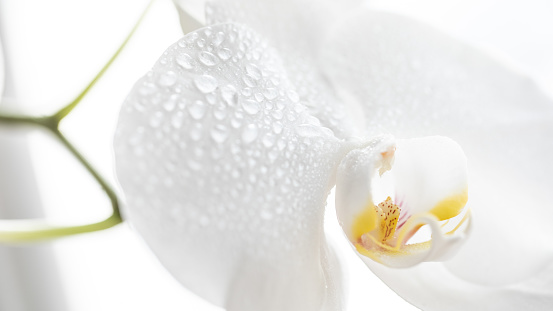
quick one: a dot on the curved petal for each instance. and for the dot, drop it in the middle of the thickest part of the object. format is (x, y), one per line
(297, 28)
(430, 176)
(413, 81)
(354, 183)
(432, 286)
(226, 177)
(428, 173)
(511, 28)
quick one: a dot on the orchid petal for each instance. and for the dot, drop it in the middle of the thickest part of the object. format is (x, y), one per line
(226, 177)
(430, 174)
(427, 173)
(309, 21)
(511, 29)
(413, 81)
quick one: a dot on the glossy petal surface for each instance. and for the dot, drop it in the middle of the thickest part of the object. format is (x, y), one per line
(297, 29)
(414, 81)
(226, 175)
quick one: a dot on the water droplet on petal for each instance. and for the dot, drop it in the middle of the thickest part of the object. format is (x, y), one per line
(207, 58)
(249, 134)
(270, 93)
(197, 109)
(259, 97)
(155, 120)
(229, 94)
(219, 38)
(224, 54)
(170, 104)
(268, 140)
(277, 127)
(250, 106)
(147, 88)
(249, 80)
(253, 71)
(220, 113)
(219, 133)
(185, 61)
(205, 83)
(201, 43)
(167, 79)
(176, 120)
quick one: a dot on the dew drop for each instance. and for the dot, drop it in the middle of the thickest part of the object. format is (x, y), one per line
(224, 54)
(196, 132)
(246, 92)
(249, 134)
(201, 43)
(219, 133)
(250, 106)
(219, 38)
(170, 104)
(236, 123)
(194, 165)
(176, 120)
(155, 120)
(277, 127)
(192, 37)
(197, 109)
(220, 113)
(249, 80)
(253, 71)
(205, 83)
(185, 61)
(278, 114)
(207, 58)
(268, 140)
(270, 93)
(229, 94)
(259, 97)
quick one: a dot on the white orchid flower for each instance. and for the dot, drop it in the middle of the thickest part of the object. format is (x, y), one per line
(228, 148)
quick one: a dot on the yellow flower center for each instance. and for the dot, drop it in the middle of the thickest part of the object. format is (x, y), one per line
(388, 215)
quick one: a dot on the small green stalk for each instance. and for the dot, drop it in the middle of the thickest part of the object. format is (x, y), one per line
(31, 230)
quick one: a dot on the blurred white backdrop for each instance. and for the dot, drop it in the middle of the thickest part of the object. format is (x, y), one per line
(58, 46)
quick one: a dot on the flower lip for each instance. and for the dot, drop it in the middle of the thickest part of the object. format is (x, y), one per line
(429, 179)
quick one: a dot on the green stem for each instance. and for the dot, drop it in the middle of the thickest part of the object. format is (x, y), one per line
(63, 112)
(30, 230)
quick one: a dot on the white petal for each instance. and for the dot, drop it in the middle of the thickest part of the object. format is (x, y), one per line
(516, 30)
(227, 186)
(354, 183)
(297, 28)
(432, 287)
(427, 171)
(414, 81)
